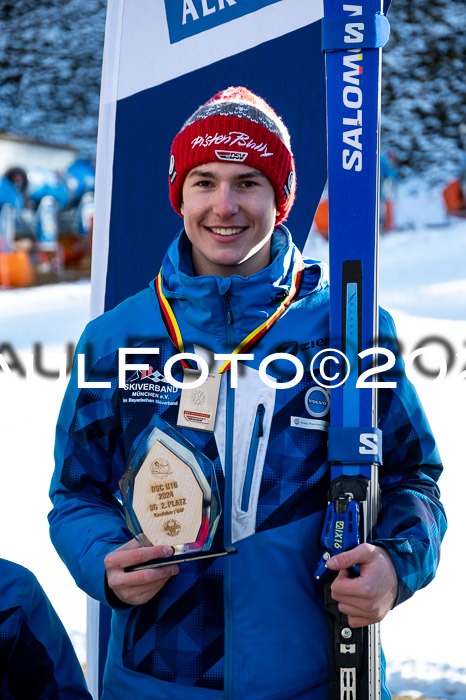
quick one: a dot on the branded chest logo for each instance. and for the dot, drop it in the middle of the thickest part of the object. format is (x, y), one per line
(189, 17)
(149, 386)
(317, 402)
(352, 94)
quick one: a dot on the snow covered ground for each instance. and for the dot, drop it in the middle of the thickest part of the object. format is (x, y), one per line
(422, 282)
(51, 316)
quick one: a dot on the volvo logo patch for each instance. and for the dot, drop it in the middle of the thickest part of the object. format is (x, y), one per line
(317, 402)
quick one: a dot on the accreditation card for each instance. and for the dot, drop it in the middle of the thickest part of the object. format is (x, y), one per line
(198, 405)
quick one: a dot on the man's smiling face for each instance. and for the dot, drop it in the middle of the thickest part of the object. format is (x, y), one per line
(229, 216)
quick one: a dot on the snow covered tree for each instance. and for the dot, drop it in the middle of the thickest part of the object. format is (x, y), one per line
(50, 60)
(51, 57)
(424, 89)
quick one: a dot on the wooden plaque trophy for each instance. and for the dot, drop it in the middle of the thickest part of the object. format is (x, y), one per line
(170, 496)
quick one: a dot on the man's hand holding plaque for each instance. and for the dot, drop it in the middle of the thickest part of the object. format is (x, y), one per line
(139, 586)
(171, 498)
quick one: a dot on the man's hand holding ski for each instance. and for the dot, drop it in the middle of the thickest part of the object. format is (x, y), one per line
(367, 598)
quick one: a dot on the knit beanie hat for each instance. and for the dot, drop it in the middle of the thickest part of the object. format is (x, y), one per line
(235, 126)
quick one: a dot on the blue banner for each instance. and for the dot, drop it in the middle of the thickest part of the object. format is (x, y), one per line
(150, 86)
(161, 61)
(188, 17)
(142, 220)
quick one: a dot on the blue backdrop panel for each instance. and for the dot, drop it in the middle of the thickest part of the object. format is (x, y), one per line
(288, 72)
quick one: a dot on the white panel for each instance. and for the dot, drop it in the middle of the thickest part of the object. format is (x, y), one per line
(92, 647)
(250, 393)
(27, 154)
(148, 58)
(104, 159)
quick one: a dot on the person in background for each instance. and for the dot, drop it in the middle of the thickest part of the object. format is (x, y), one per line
(37, 659)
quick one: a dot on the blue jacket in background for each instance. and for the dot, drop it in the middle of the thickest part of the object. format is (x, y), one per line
(37, 659)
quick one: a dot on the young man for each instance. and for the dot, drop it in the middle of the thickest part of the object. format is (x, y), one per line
(251, 625)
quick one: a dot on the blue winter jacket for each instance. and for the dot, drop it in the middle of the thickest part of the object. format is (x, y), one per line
(251, 626)
(37, 660)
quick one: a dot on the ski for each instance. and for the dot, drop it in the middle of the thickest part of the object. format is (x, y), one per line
(352, 37)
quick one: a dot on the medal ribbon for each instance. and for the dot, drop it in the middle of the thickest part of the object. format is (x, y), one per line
(253, 338)
(169, 320)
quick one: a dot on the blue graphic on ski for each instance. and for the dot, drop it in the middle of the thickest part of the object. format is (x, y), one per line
(352, 37)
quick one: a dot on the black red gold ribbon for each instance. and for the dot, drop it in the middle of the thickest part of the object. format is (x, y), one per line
(251, 340)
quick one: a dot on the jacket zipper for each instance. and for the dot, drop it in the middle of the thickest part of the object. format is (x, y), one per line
(230, 407)
(230, 319)
(257, 433)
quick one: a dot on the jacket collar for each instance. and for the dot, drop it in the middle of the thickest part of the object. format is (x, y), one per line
(252, 298)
